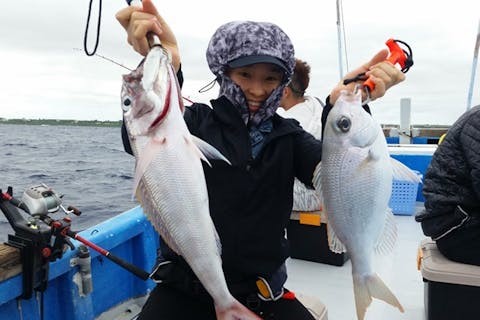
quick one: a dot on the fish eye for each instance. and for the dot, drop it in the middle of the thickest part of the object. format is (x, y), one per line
(344, 124)
(126, 103)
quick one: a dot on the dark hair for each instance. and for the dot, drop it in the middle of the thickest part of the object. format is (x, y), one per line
(300, 78)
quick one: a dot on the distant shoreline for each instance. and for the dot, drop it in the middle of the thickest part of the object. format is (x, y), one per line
(420, 129)
(59, 122)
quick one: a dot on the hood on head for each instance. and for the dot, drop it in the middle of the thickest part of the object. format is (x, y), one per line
(242, 43)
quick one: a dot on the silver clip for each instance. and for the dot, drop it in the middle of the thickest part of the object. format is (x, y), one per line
(367, 93)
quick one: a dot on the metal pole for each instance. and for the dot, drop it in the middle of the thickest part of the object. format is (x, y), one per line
(405, 132)
(474, 67)
(339, 39)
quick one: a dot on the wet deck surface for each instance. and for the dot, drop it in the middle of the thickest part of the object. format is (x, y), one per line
(333, 285)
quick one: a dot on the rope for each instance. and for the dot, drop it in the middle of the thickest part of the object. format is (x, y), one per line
(98, 28)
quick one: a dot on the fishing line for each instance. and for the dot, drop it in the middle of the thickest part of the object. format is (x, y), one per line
(108, 59)
(113, 61)
(85, 38)
(208, 86)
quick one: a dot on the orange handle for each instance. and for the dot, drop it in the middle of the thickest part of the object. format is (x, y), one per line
(396, 56)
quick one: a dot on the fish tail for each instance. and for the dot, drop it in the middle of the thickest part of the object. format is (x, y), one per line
(235, 311)
(372, 286)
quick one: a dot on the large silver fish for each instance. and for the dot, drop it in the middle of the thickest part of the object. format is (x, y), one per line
(355, 179)
(169, 180)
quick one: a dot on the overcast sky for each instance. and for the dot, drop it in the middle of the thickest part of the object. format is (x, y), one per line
(45, 77)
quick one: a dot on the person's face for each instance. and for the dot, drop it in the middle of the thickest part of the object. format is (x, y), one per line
(257, 82)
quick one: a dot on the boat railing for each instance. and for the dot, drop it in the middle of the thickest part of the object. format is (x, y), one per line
(128, 235)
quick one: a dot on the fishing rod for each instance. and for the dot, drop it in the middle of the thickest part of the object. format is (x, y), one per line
(474, 67)
(142, 274)
(41, 238)
(341, 39)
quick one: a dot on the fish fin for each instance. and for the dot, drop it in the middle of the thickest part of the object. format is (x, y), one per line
(137, 195)
(168, 240)
(334, 243)
(374, 154)
(235, 311)
(403, 173)
(371, 286)
(145, 157)
(208, 150)
(316, 181)
(376, 151)
(387, 239)
(317, 184)
(196, 150)
(217, 240)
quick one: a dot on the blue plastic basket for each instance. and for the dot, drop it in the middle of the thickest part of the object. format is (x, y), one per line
(404, 196)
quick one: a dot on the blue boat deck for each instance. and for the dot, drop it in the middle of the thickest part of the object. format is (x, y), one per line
(129, 236)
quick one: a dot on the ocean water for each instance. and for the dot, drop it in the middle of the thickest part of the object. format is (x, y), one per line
(87, 165)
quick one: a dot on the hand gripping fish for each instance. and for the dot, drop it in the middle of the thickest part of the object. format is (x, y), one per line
(355, 180)
(169, 180)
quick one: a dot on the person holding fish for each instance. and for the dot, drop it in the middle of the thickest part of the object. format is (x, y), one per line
(250, 196)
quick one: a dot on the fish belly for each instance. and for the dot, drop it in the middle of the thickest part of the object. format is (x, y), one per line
(174, 197)
(356, 193)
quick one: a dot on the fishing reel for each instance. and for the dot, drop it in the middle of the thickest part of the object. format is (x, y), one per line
(41, 243)
(39, 238)
(42, 200)
(39, 229)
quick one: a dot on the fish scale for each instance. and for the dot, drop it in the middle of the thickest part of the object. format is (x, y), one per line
(164, 200)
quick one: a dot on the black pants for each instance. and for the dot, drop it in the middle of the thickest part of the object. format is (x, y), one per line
(463, 244)
(168, 303)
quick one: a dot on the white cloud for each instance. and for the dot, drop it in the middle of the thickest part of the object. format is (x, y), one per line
(44, 77)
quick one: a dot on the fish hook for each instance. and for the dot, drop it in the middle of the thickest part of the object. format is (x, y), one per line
(367, 93)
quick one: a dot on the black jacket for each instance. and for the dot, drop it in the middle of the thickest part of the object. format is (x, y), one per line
(452, 180)
(251, 200)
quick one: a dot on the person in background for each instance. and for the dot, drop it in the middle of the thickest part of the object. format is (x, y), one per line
(307, 110)
(250, 200)
(452, 192)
